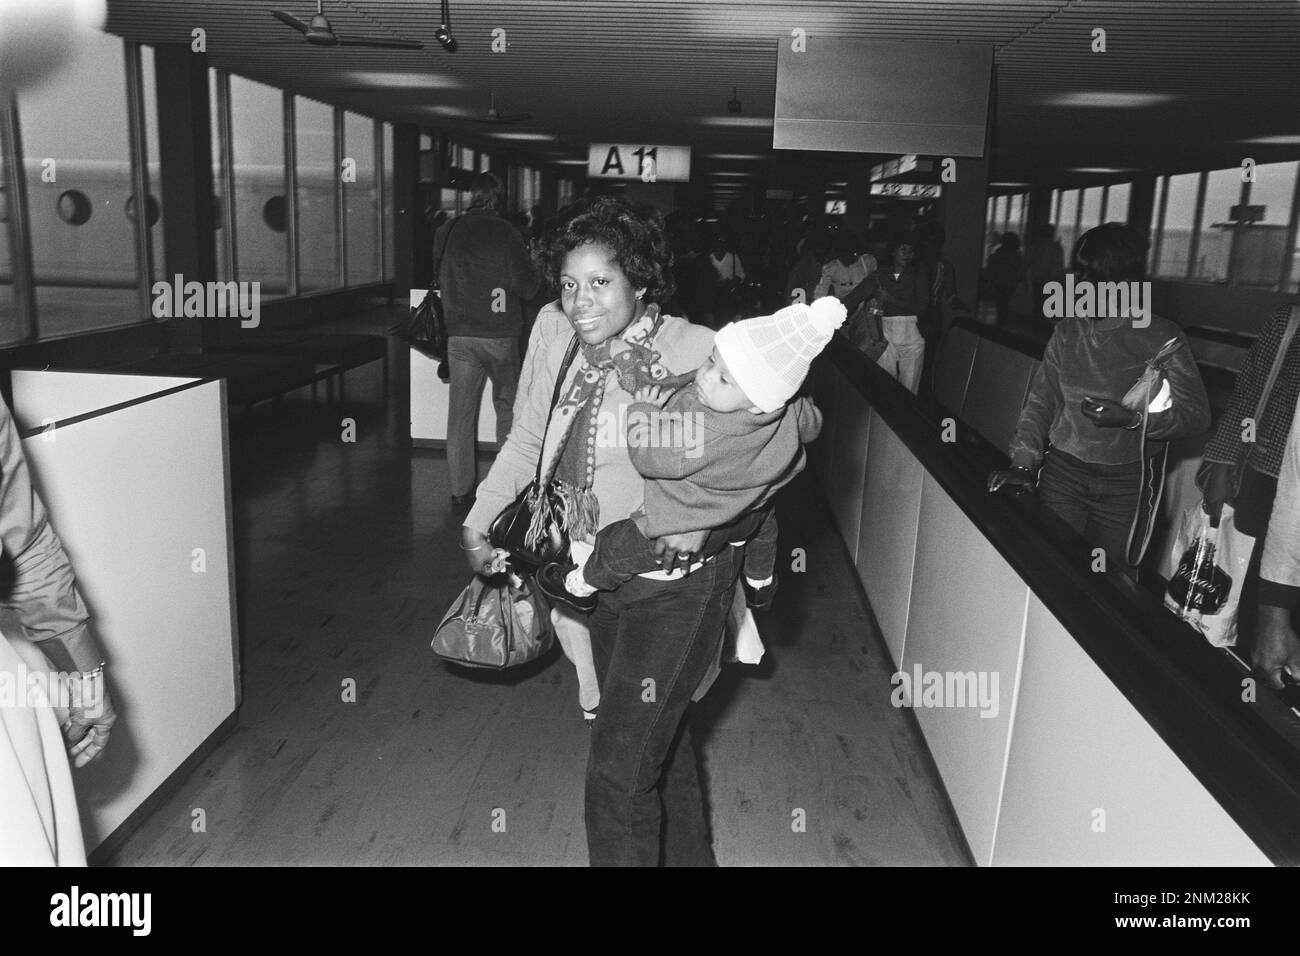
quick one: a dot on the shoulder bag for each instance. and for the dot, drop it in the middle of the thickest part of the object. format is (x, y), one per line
(509, 530)
(426, 331)
(495, 623)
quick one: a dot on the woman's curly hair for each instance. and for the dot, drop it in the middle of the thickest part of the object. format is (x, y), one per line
(634, 234)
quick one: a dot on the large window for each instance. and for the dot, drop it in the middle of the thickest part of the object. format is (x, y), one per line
(1117, 195)
(1176, 232)
(225, 271)
(8, 317)
(257, 145)
(1222, 193)
(1260, 253)
(1067, 222)
(77, 167)
(1016, 209)
(361, 199)
(155, 169)
(390, 218)
(318, 250)
(1089, 209)
(89, 142)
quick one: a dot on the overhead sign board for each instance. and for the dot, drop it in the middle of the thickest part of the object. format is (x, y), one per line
(882, 96)
(901, 166)
(649, 164)
(907, 190)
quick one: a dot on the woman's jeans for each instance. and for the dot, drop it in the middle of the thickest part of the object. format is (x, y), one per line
(1097, 501)
(653, 642)
(905, 352)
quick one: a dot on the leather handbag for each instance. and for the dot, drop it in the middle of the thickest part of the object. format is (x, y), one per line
(495, 623)
(426, 331)
(1146, 396)
(509, 530)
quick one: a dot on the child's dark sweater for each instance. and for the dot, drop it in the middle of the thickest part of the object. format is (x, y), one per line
(704, 469)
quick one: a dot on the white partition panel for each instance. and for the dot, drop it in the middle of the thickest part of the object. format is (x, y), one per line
(966, 618)
(1089, 782)
(429, 398)
(848, 465)
(886, 551)
(41, 395)
(140, 497)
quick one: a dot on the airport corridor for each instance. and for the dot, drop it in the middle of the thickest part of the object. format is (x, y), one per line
(346, 559)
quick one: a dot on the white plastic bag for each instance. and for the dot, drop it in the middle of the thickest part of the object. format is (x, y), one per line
(740, 643)
(1209, 569)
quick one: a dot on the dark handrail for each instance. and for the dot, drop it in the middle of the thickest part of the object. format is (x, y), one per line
(1247, 755)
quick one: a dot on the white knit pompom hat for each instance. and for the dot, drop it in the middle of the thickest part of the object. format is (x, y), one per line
(768, 356)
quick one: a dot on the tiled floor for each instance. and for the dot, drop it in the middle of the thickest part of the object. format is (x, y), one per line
(347, 557)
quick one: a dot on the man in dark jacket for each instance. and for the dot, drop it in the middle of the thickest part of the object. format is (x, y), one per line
(485, 275)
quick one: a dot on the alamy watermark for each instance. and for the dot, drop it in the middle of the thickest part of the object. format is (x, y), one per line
(1084, 299)
(922, 688)
(208, 300)
(658, 428)
(39, 688)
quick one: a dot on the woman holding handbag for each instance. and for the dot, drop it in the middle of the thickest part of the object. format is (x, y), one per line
(1101, 459)
(654, 639)
(1242, 472)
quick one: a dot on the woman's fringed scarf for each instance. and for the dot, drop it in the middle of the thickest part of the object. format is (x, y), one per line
(564, 498)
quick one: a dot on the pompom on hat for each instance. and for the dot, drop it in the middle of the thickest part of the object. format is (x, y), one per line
(768, 356)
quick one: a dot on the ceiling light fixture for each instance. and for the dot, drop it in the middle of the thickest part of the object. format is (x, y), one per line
(443, 33)
(524, 137)
(396, 80)
(1109, 99)
(1285, 139)
(735, 121)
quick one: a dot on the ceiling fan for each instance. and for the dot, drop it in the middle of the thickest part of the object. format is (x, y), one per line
(494, 117)
(320, 33)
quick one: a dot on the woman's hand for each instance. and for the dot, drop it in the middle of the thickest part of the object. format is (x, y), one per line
(1015, 480)
(684, 547)
(1108, 413)
(652, 394)
(1216, 489)
(482, 557)
(90, 718)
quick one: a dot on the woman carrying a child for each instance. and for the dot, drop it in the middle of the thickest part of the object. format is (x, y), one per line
(653, 638)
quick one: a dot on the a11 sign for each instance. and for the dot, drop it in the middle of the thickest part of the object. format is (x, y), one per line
(632, 161)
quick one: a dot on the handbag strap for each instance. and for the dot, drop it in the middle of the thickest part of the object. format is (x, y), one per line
(1288, 334)
(1283, 347)
(555, 398)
